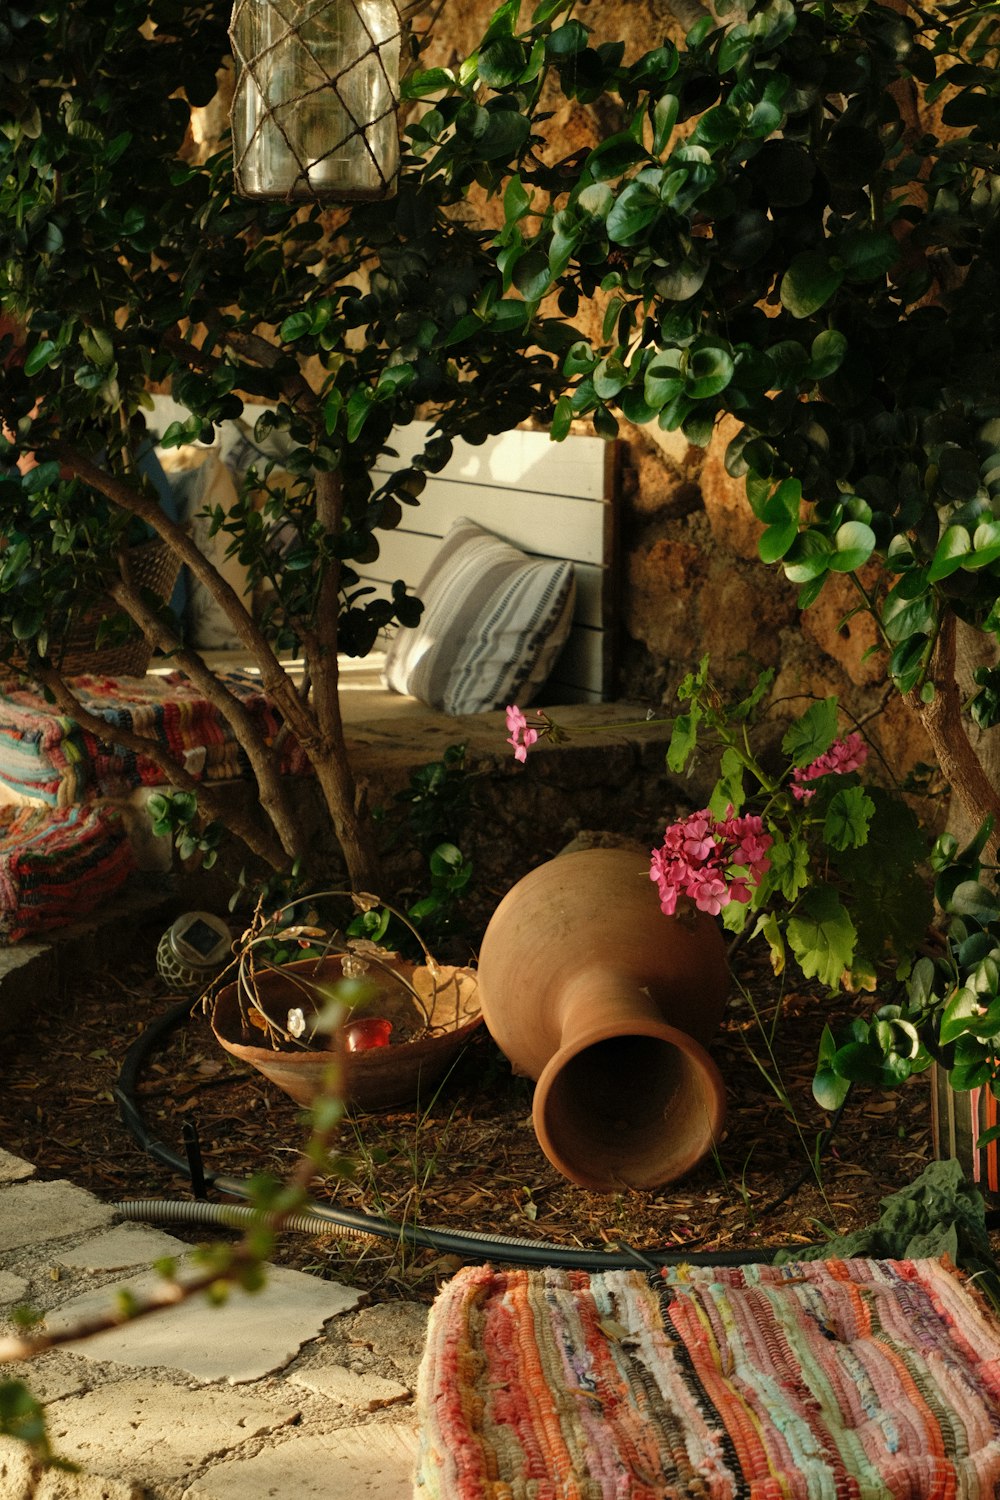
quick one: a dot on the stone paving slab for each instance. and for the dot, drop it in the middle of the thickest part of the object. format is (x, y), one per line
(14, 1168)
(32, 1212)
(152, 1431)
(374, 1462)
(18, 1481)
(124, 1404)
(246, 1338)
(358, 1389)
(12, 1288)
(123, 1247)
(395, 1329)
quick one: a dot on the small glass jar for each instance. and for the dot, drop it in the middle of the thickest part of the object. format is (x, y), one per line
(314, 112)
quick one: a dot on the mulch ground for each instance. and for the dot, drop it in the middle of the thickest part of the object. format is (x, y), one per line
(470, 1159)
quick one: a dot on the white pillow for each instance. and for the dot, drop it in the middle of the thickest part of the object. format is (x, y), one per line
(494, 622)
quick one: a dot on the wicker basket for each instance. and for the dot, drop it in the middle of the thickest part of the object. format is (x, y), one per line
(154, 567)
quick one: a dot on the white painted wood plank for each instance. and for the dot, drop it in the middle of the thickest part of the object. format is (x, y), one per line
(517, 460)
(549, 525)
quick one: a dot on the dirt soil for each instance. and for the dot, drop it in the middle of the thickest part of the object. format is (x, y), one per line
(470, 1159)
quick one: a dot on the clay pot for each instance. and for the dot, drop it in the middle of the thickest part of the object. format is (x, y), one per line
(401, 1073)
(588, 988)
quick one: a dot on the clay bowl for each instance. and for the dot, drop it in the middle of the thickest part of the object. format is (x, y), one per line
(406, 1071)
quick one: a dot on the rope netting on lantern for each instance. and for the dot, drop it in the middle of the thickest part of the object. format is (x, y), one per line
(317, 88)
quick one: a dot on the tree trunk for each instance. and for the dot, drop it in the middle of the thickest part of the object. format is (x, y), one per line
(348, 810)
(974, 793)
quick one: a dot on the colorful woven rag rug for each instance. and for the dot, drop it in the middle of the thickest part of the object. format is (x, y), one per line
(45, 755)
(821, 1380)
(58, 864)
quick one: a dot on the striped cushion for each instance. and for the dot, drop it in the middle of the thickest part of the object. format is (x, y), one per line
(494, 622)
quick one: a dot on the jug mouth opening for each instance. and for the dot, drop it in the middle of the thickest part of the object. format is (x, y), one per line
(629, 1111)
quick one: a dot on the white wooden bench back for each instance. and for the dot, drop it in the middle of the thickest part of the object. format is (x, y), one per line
(551, 500)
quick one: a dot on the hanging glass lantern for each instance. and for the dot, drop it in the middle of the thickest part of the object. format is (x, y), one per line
(314, 112)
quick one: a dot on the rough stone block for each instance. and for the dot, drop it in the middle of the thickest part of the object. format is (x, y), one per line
(734, 525)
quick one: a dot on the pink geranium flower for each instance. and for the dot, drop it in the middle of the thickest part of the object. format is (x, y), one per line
(710, 862)
(520, 733)
(843, 756)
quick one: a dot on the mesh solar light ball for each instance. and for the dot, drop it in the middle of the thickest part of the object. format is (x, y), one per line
(193, 950)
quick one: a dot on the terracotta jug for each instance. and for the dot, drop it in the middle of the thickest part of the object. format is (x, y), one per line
(588, 988)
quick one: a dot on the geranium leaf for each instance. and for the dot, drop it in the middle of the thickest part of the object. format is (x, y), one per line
(847, 818)
(812, 734)
(822, 937)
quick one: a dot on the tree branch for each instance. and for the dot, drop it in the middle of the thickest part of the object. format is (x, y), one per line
(263, 762)
(258, 839)
(127, 497)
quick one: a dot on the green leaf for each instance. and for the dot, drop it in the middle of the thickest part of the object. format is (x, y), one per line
(609, 377)
(809, 283)
(428, 81)
(962, 1009)
(808, 558)
(505, 134)
(562, 419)
(770, 929)
(783, 504)
(633, 212)
(776, 540)
(665, 114)
(826, 354)
(970, 899)
(663, 379)
(902, 617)
(567, 40)
(789, 871)
(614, 156)
(728, 790)
(502, 61)
(710, 369)
(812, 734)
(295, 326)
(950, 553)
(40, 477)
(829, 1089)
(847, 818)
(866, 254)
(854, 543)
(40, 356)
(683, 738)
(986, 545)
(822, 937)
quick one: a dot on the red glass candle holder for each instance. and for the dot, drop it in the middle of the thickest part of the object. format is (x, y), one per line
(367, 1032)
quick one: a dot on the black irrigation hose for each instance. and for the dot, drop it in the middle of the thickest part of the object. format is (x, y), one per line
(511, 1250)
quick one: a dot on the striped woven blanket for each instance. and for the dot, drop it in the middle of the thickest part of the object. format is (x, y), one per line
(45, 755)
(821, 1380)
(56, 865)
